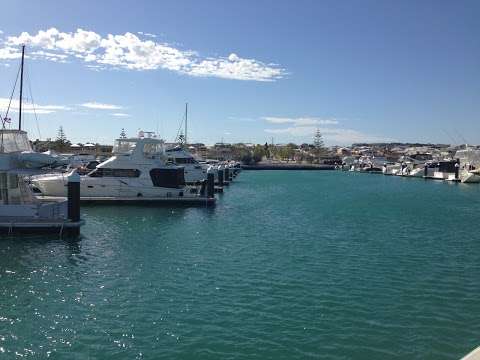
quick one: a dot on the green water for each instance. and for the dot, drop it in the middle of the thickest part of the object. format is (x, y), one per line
(289, 265)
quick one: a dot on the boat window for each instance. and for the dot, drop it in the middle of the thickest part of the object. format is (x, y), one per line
(185, 161)
(169, 178)
(446, 166)
(150, 149)
(105, 172)
(124, 147)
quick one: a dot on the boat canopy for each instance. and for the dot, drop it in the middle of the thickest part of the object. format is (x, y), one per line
(14, 141)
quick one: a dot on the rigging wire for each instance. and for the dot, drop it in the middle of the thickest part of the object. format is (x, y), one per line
(180, 128)
(33, 103)
(11, 98)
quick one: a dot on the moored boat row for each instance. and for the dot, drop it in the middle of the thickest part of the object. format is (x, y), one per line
(42, 192)
(459, 169)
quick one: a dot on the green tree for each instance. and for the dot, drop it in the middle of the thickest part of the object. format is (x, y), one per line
(61, 142)
(318, 144)
(258, 153)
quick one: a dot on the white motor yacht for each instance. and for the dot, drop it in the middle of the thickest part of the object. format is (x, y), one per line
(137, 170)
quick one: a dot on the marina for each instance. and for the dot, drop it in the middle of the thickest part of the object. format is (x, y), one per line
(255, 270)
(281, 180)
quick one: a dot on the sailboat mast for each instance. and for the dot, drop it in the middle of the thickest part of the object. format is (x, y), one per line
(21, 90)
(186, 122)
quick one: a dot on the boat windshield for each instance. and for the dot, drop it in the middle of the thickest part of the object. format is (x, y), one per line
(154, 148)
(124, 147)
(14, 141)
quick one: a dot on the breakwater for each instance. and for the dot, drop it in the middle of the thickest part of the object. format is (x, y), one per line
(287, 167)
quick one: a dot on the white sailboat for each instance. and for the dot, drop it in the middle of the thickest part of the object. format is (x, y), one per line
(20, 210)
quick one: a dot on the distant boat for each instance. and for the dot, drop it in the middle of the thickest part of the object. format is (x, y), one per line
(472, 176)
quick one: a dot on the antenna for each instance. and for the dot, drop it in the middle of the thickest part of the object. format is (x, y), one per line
(21, 90)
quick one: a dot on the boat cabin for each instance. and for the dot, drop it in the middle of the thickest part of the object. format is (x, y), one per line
(150, 148)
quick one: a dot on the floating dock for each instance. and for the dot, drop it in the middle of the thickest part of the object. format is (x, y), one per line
(16, 225)
(105, 200)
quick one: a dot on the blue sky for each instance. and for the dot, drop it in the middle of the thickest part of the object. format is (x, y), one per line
(250, 70)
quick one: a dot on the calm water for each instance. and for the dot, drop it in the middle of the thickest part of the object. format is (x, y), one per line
(289, 265)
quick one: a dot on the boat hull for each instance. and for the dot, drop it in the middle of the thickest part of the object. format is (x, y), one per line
(91, 187)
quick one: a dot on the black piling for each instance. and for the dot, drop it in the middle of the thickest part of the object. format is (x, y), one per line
(203, 188)
(457, 168)
(73, 195)
(425, 170)
(210, 185)
(227, 174)
(220, 177)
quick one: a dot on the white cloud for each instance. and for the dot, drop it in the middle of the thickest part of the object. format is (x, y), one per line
(128, 51)
(330, 135)
(146, 34)
(305, 128)
(30, 108)
(300, 121)
(100, 106)
(9, 53)
(120, 115)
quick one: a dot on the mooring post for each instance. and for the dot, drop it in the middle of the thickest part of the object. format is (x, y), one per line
(210, 184)
(227, 174)
(73, 196)
(220, 176)
(457, 168)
